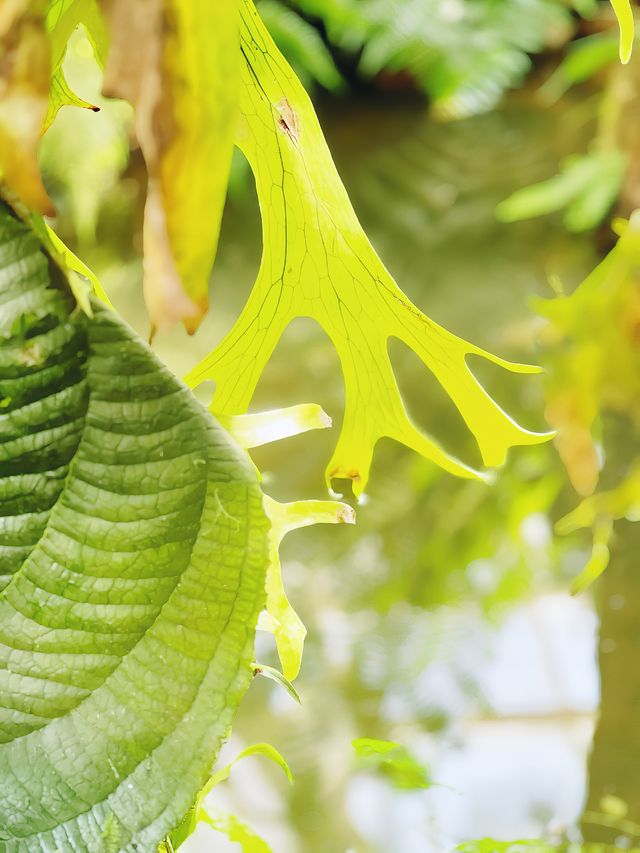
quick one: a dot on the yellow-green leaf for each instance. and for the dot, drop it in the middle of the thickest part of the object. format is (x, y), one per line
(177, 64)
(264, 427)
(220, 821)
(279, 617)
(318, 263)
(62, 96)
(63, 17)
(624, 14)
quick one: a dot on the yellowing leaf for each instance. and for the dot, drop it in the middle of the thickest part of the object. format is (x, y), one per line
(63, 16)
(25, 67)
(61, 96)
(176, 63)
(624, 14)
(279, 617)
(593, 356)
(318, 263)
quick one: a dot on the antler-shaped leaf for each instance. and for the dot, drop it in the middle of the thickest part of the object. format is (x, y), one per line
(318, 263)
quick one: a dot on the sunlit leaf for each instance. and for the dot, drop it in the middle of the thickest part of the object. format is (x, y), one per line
(177, 64)
(394, 761)
(318, 263)
(133, 549)
(279, 617)
(63, 17)
(228, 824)
(624, 14)
(621, 502)
(599, 511)
(274, 674)
(62, 96)
(25, 71)
(236, 830)
(264, 427)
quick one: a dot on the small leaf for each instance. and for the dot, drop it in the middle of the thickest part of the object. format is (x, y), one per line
(318, 263)
(199, 812)
(236, 830)
(624, 14)
(63, 17)
(278, 677)
(599, 559)
(264, 427)
(279, 617)
(177, 64)
(392, 760)
(61, 96)
(73, 265)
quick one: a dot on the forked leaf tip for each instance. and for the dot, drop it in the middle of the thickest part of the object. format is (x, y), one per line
(254, 430)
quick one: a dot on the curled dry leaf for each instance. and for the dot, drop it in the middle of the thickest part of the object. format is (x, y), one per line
(25, 67)
(176, 64)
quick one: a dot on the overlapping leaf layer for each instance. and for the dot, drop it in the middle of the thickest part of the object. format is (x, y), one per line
(133, 548)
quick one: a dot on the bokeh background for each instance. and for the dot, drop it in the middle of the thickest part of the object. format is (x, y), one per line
(444, 620)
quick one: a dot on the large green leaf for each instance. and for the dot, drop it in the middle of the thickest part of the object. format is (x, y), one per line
(133, 547)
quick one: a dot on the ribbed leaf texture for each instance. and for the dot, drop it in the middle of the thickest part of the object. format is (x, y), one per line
(132, 570)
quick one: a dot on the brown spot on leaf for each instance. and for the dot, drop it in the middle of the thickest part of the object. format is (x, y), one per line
(288, 120)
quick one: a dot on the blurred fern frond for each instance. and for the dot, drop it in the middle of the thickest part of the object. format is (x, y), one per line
(462, 53)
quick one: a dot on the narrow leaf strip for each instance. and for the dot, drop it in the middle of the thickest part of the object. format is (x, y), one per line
(599, 511)
(279, 617)
(264, 427)
(274, 674)
(599, 559)
(624, 14)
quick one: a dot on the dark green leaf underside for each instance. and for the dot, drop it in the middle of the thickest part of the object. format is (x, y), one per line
(132, 561)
